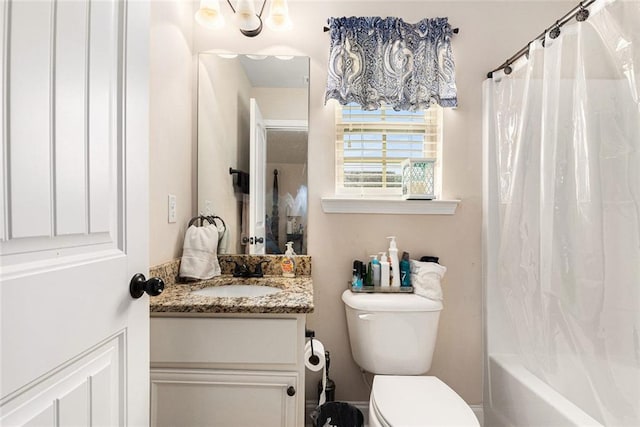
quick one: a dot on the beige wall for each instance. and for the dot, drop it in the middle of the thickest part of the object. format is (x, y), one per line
(172, 126)
(489, 32)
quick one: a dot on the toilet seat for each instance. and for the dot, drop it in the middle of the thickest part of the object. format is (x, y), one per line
(404, 401)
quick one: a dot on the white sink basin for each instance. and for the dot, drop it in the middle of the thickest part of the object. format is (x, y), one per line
(237, 291)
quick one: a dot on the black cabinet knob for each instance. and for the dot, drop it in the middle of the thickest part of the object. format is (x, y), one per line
(291, 391)
(139, 285)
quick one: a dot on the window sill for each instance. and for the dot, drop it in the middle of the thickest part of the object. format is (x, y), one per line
(352, 205)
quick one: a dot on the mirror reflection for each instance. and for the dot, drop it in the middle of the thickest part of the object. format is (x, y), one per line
(252, 149)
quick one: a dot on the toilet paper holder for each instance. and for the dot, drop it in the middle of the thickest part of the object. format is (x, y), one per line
(314, 360)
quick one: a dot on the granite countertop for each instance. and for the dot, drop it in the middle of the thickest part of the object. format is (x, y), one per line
(296, 297)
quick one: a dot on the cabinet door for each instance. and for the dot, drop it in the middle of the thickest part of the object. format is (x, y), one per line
(191, 397)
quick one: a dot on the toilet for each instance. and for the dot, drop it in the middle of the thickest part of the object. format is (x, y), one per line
(393, 337)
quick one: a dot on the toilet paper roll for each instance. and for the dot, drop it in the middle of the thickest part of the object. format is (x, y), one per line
(318, 350)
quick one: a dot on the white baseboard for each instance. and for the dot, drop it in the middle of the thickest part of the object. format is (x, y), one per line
(310, 405)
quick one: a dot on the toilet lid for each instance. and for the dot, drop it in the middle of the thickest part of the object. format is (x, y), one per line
(419, 401)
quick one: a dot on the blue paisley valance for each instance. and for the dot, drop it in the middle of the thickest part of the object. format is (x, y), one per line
(406, 66)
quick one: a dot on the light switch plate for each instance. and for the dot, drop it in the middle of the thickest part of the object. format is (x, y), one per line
(172, 209)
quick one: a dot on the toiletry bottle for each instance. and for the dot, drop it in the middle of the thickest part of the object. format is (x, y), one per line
(384, 270)
(354, 276)
(375, 274)
(361, 273)
(368, 279)
(288, 263)
(395, 264)
(405, 270)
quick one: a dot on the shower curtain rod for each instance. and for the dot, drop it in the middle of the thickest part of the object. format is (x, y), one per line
(506, 65)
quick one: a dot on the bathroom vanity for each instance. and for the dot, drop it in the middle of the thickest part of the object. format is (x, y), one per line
(229, 361)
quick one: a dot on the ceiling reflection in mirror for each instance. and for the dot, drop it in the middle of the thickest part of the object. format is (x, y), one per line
(280, 87)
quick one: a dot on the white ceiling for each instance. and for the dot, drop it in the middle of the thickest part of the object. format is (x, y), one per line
(271, 71)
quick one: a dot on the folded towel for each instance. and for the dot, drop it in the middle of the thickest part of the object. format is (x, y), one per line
(425, 279)
(199, 253)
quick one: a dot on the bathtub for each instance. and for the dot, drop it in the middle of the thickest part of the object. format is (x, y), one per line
(516, 397)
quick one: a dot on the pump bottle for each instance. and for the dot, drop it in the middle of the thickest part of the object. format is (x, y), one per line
(384, 270)
(288, 263)
(395, 262)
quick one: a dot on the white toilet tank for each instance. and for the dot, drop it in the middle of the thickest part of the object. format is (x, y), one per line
(392, 334)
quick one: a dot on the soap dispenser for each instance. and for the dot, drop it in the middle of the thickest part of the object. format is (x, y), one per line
(288, 263)
(384, 270)
(395, 262)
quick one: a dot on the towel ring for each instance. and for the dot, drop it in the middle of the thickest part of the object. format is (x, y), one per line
(212, 218)
(200, 218)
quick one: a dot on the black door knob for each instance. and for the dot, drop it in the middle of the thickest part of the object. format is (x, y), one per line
(291, 391)
(139, 285)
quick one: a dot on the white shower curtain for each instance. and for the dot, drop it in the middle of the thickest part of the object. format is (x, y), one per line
(566, 129)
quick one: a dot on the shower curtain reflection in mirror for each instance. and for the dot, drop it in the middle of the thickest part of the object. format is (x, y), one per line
(286, 202)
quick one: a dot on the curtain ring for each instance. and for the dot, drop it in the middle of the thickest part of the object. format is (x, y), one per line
(507, 69)
(555, 31)
(582, 14)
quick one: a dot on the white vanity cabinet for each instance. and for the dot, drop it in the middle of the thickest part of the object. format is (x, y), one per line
(227, 370)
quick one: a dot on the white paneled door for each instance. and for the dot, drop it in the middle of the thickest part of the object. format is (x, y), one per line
(73, 220)
(257, 179)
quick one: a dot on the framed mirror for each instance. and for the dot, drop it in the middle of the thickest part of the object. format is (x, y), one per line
(252, 149)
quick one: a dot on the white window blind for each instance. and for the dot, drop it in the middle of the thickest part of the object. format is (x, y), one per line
(371, 144)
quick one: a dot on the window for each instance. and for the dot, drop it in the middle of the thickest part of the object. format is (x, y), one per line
(370, 145)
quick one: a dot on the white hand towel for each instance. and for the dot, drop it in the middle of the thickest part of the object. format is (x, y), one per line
(199, 253)
(425, 279)
(223, 237)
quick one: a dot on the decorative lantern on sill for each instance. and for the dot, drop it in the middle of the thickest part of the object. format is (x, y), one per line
(418, 176)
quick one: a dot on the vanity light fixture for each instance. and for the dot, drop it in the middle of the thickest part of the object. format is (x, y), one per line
(209, 16)
(247, 20)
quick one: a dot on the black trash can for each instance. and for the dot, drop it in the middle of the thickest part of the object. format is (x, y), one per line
(338, 414)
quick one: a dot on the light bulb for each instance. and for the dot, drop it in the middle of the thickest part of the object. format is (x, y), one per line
(278, 19)
(246, 18)
(209, 15)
